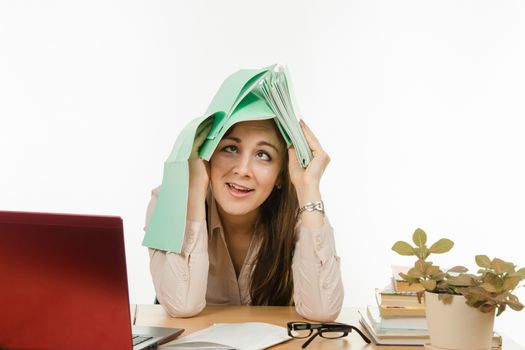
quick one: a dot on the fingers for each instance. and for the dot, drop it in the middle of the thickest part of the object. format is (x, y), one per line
(201, 137)
(293, 161)
(313, 142)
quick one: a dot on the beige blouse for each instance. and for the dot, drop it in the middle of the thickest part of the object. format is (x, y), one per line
(204, 273)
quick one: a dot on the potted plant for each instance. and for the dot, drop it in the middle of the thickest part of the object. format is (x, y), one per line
(460, 306)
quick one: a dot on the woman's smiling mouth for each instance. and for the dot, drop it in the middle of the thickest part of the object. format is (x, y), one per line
(237, 190)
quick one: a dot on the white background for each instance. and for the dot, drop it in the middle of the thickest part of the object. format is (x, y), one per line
(419, 104)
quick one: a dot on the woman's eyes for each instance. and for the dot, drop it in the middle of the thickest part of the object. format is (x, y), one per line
(230, 149)
(263, 155)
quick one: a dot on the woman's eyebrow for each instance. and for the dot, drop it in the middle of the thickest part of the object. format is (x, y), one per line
(260, 143)
(264, 143)
(236, 139)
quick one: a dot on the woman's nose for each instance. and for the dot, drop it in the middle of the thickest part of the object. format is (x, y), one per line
(243, 166)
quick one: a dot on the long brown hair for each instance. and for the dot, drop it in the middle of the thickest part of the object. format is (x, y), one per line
(272, 280)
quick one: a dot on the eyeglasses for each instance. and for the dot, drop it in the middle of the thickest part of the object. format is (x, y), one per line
(331, 330)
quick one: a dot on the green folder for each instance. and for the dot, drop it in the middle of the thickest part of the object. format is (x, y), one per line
(249, 94)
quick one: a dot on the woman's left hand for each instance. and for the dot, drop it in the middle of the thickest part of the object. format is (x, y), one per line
(307, 180)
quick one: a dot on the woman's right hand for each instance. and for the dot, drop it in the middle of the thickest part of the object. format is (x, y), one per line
(199, 169)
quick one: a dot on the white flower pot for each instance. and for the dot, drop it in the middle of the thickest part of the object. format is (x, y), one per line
(457, 326)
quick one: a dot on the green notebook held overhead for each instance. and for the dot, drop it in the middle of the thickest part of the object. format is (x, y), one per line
(249, 94)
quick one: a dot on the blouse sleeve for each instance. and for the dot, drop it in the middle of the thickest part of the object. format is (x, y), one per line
(318, 288)
(180, 280)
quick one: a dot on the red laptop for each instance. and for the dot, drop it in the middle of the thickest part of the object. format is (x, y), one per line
(63, 285)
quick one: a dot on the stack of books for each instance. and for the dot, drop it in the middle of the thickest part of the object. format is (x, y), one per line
(392, 303)
(400, 298)
(399, 318)
(395, 330)
(401, 330)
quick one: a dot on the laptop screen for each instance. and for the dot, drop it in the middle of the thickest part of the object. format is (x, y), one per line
(63, 282)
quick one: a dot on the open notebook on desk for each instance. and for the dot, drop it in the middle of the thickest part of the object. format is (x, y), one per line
(64, 285)
(245, 336)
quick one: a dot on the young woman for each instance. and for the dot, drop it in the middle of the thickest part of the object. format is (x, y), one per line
(256, 233)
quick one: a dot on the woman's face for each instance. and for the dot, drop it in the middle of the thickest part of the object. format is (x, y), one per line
(245, 166)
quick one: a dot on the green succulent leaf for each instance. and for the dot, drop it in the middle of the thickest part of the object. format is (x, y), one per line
(483, 261)
(501, 297)
(432, 270)
(477, 293)
(415, 273)
(422, 252)
(521, 272)
(421, 266)
(458, 269)
(501, 308)
(441, 284)
(438, 276)
(429, 285)
(409, 278)
(498, 265)
(419, 238)
(441, 246)
(490, 275)
(460, 281)
(488, 287)
(509, 267)
(511, 283)
(502, 266)
(515, 305)
(472, 300)
(403, 248)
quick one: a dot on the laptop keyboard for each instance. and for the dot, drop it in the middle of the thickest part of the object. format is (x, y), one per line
(137, 339)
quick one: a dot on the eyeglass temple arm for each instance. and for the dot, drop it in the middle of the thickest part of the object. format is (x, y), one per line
(365, 338)
(309, 340)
